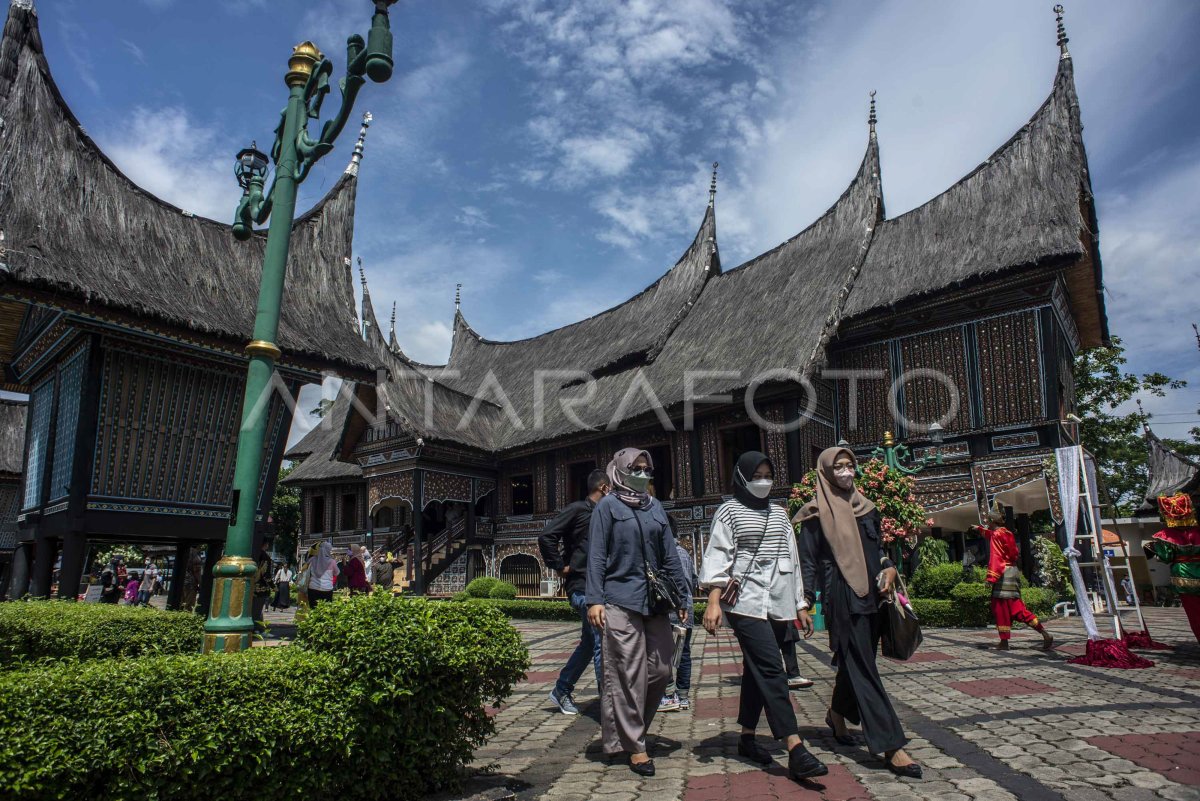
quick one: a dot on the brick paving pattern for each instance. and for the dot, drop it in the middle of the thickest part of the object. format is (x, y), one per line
(1047, 730)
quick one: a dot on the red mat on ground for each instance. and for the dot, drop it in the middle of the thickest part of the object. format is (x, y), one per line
(1175, 755)
(775, 784)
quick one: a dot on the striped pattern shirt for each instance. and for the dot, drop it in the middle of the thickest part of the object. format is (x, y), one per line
(771, 586)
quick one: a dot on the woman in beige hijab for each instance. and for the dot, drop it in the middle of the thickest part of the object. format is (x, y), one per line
(840, 551)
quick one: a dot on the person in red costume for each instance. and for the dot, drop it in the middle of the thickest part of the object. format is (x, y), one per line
(1179, 546)
(1005, 578)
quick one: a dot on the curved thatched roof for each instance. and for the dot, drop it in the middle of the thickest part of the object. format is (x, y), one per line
(80, 232)
(637, 328)
(12, 436)
(1024, 205)
(1029, 204)
(1170, 471)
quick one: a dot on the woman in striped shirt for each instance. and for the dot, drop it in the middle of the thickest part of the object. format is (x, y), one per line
(752, 543)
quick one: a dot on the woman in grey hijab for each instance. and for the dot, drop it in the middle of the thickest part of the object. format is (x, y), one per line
(630, 535)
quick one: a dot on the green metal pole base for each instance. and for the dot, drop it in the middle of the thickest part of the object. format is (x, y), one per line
(230, 624)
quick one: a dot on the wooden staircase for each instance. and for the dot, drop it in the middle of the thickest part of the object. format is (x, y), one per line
(436, 555)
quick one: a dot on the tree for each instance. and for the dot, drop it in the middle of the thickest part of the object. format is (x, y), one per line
(322, 408)
(285, 514)
(1101, 386)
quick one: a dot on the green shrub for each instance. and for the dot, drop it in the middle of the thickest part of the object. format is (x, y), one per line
(460, 596)
(935, 612)
(481, 587)
(936, 581)
(933, 551)
(529, 609)
(503, 591)
(1040, 600)
(972, 603)
(380, 697)
(35, 630)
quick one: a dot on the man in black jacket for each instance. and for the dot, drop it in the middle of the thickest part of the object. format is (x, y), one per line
(564, 547)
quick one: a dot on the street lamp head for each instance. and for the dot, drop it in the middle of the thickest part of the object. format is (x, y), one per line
(936, 432)
(251, 164)
(379, 44)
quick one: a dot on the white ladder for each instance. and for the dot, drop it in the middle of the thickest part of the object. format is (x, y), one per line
(1102, 562)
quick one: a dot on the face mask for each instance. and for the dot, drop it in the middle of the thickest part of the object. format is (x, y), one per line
(844, 478)
(638, 481)
(760, 488)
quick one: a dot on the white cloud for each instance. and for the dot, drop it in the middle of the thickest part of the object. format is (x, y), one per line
(138, 54)
(169, 154)
(473, 217)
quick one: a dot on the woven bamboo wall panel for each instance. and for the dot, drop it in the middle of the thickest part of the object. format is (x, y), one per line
(1010, 369)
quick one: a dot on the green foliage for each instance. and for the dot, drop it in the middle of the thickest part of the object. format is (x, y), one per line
(285, 515)
(936, 613)
(1040, 600)
(527, 610)
(380, 697)
(972, 603)
(481, 587)
(936, 581)
(133, 555)
(503, 591)
(933, 551)
(66, 630)
(1053, 570)
(893, 493)
(1101, 387)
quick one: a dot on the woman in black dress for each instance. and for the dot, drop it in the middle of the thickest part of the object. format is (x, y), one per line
(840, 551)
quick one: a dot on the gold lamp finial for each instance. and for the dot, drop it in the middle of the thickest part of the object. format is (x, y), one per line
(305, 56)
(888, 439)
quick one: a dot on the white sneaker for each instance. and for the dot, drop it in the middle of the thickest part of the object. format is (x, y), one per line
(798, 682)
(669, 703)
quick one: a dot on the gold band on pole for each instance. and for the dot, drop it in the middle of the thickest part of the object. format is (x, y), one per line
(260, 347)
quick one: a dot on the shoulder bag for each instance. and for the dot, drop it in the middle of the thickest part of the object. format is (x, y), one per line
(900, 631)
(734, 588)
(662, 596)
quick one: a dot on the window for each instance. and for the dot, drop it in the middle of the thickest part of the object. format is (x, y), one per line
(522, 494)
(318, 514)
(39, 438)
(66, 421)
(577, 481)
(664, 487)
(383, 518)
(349, 511)
(735, 442)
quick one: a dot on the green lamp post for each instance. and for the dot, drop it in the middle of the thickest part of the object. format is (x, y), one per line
(229, 626)
(895, 454)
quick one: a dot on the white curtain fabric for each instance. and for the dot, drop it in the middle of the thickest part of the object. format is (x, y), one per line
(1068, 493)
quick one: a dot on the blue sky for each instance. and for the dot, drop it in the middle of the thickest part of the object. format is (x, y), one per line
(555, 157)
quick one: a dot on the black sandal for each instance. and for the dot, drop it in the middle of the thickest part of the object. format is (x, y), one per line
(840, 739)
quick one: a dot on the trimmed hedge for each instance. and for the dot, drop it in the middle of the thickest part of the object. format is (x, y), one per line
(503, 591)
(970, 606)
(68, 630)
(379, 697)
(936, 581)
(481, 587)
(542, 610)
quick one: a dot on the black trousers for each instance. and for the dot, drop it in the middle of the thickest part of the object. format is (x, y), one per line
(764, 684)
(319, 596)
(858, 693)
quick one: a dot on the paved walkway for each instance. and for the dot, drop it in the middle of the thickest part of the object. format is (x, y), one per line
(986, 725)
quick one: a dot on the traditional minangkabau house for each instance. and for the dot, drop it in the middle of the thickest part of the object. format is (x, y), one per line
(124, 319)
(995, 284)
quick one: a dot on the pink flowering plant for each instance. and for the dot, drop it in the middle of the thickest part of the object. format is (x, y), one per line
(902, 517)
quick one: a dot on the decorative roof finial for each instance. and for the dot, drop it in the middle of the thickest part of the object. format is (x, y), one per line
(871, 118)
(356, 156)
(362, 273)
(457, 296)
(1062, 32)
(712, 187)
(1142, 414)
(392, 329)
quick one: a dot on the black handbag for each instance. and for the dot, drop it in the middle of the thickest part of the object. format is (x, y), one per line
(662, 595)
(900, 631)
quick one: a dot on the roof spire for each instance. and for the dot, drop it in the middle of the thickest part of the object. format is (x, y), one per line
(712, 187)
(356, 156)
(1062, 32)
(871, 118)
(362, 273)
(1145, 417)
(392, 328)
(457, 296)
